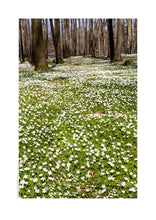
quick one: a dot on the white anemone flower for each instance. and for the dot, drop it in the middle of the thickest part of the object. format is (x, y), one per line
(123, 184)
(35, 180)
(132, 190)
(111, 178)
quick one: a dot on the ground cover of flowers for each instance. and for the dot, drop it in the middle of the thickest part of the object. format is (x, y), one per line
(78, 130)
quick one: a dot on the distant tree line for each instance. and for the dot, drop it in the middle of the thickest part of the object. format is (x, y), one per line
(62, 38)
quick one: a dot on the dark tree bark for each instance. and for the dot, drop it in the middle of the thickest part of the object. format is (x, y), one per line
(68, 38)
(104, 36)
(23, 38)
(75, 37)
(117, 54)
(46, 40)
(21, 54)
(62, 36)
(56, 39)
(29, 39)
(66, 41)
(79, 37)
(71, 37)
(26, 37)
(124, 36)
(86, 21)
(38, 50)
(95, 38)
(129, 36)
(114, 32)
(135, 36)
(84, 37)
(92, 39)
(99, 38)
(90, 34)
(111, 40)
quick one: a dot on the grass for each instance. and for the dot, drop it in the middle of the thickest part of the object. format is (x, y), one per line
(78, 130)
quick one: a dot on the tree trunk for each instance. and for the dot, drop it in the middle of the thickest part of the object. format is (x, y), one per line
(62, 36)
(29, 40)
(46, 40)
(135, 36)
(21, 54)
(124, 36)
(85, 37)
(117, 54)
(66, 45)
(111, 40)
(23, 38)
(26, 38)
(92, 38)
(99, 38)
(71, 37)
(129, 36)
(68, 38)
(38, 50)
(90, 35)
(104, 36)
(75, 37)
(114, 32)
(86, 21)
(56, 39)
(79, 37)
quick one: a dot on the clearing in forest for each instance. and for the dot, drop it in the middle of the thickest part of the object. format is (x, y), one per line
(78, 130)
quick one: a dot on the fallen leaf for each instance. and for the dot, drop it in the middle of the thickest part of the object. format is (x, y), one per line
(79, 190)
(92, 173)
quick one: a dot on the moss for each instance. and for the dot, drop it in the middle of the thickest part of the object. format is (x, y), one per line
(42, 68)
(128, 62)
(60, 61)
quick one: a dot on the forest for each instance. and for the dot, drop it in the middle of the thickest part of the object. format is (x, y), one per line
(62, 38)
(78, 108)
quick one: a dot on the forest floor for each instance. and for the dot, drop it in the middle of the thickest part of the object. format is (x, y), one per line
(78, 130)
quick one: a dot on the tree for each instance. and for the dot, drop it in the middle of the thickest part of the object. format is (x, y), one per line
(56, 39)
(135, 36)
(21, 54)
(79, 37)
(84, 37)
(86, 21)
(99, 38)
(125, 49)
(38, 50)
(111, 40)
(23, 38)
(129, 36)
(104, 36)
(90, 35)
(46, 40)
(93, 37)
(66, 39)
(26, 38)
(114, 31)
(117, 53)
(29, 38)
(45, 35)
(75, 37)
